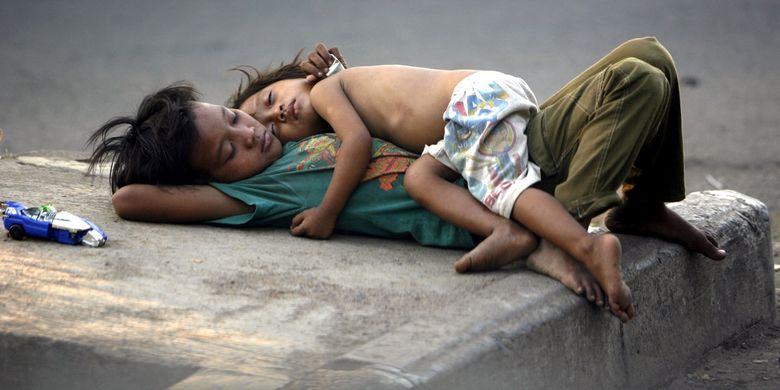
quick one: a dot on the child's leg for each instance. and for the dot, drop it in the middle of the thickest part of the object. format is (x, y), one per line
(646, 49)
(430, 183)
(550, 260)
(653, 218)
(545, 216)
(621, 117)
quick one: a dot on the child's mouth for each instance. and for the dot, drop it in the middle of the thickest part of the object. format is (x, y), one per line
(292, 110)
(266, 141)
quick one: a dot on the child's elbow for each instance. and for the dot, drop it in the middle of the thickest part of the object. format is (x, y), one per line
(125, 202)
(360, 139)
(414, 182)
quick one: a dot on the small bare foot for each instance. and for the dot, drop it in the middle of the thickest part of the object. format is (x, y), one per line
(655, 219)
(604, 264)
(507, 243)
(550, 260)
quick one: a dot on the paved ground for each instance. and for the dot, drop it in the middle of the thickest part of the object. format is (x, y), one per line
(69, 66)
(163, 304)
(750, 360)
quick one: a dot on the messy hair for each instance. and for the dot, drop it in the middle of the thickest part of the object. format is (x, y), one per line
(256, 80)
(153, 146)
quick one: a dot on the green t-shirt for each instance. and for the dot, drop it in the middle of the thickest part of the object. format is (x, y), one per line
(379, 206)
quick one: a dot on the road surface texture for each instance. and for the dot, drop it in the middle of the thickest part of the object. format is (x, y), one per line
(69, 66)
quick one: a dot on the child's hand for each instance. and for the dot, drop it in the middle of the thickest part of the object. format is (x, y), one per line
(313, 223)
(317, 62)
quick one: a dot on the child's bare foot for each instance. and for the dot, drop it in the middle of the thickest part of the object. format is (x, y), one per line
(604, 263)
(507, 243)
(655, 219)
(550, 260)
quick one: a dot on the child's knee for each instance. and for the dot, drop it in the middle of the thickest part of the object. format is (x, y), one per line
(649, 50)
(643, 45)
(644, 78)
(422, 173)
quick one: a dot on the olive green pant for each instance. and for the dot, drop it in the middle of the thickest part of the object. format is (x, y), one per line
(616, 124)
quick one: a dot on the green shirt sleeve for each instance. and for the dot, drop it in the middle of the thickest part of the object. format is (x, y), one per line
(379, 206)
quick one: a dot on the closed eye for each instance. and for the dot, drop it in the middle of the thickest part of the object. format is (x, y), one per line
(232, 152)
(268, 103)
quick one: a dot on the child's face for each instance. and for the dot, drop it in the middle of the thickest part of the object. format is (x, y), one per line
(285, 107)
(231, 144)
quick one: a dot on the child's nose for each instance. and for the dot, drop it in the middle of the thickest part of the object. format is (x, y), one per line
(251, 138)
(281, 113)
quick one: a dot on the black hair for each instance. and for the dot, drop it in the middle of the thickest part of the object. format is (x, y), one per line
(155, 145)
(256, 80)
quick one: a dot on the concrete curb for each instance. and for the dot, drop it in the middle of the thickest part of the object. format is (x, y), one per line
(551, 339)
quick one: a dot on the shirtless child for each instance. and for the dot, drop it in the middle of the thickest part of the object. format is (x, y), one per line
(640, 149)
(583, 165)
(404, 105)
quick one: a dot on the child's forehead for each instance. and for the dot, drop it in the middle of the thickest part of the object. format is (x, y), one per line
(291, 85)
(210, 118)
(209, 125)
(207, 112)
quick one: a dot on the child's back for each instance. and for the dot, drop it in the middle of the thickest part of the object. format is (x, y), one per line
(401, 104)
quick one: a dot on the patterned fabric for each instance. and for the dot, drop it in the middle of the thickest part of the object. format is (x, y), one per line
(387, 160)
(484, 138)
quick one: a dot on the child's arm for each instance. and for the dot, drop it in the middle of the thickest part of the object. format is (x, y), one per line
(333, 105)
(180, 204)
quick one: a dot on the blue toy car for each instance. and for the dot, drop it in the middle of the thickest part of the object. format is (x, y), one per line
(46, 222)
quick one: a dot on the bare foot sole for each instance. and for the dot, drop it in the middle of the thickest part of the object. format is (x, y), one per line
(659, 221)
(605, 267)
(506, 244)
(550, 260)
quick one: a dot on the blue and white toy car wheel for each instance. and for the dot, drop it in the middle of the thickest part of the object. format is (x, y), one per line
(16, 232)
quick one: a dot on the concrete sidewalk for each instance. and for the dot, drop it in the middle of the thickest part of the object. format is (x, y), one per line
(208, 307)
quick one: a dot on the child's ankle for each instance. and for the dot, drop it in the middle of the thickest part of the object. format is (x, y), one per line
(585, 249)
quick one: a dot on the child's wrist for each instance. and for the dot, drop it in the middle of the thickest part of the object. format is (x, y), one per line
(327, 213)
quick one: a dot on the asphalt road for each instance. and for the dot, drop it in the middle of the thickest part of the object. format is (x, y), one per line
(67, 67)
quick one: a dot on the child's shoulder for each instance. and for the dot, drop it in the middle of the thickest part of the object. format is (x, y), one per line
(368, 71)
(359, 76)
(321, 91)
